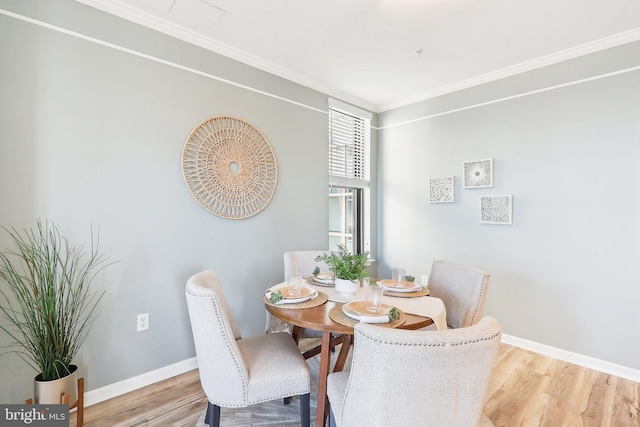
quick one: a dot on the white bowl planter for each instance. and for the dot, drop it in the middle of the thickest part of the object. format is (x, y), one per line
(52, 392)
(347, 287)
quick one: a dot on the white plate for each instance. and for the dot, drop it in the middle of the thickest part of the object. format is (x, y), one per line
(290, 300)
(356, 309)
(326, 278)
(390, 285)
(304, 292)
(403, 290)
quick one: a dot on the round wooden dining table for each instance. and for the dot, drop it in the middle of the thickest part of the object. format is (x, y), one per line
(317, 318)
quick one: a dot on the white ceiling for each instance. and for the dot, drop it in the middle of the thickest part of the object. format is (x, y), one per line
(382, 54)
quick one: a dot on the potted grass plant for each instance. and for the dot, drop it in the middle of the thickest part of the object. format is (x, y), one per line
(348, 268)
(48, 304)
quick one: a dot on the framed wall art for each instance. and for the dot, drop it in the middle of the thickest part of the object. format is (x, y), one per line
(496, 209)
(478, 174)
(441, 190)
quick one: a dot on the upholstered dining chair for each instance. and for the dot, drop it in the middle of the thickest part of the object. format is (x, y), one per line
(297, 262)
(236, 371)
(415, 378)
(462, 289)
(303, 262)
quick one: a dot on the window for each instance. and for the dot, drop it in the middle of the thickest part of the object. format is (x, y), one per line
(349, 206)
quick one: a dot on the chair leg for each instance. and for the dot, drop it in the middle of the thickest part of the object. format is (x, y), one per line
(212, 418)
(305, 410)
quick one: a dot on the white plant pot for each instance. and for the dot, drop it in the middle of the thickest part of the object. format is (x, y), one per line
(347, 287)
(51, 392)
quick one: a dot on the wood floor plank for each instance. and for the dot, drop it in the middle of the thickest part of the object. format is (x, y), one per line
(526, 390)
(626, 404)
(514, 398)
(600, 402)
(564, 409)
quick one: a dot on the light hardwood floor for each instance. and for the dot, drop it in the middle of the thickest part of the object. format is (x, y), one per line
(527, 389)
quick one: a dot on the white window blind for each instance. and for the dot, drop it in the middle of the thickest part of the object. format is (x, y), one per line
(349, 145)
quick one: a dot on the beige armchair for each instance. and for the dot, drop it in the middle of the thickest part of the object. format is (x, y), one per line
(236, 371)
(415, 378)
(463, 290)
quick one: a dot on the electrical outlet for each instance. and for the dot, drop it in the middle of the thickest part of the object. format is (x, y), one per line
(143, 322)
(425, 280)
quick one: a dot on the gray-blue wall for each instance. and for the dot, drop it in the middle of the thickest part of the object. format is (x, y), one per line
(93, 135)
(565, 140)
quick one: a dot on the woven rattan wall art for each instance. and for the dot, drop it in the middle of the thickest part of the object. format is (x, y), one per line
(229, 167)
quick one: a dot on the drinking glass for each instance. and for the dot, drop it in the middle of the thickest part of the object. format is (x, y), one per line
(294, 284)
(397, 275)
(373, 298)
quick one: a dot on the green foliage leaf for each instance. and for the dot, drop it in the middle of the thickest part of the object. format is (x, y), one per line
(344, 264)
(47, 298)
(275, 297)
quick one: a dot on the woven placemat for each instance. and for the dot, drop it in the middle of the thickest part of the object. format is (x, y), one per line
(313, 282)
(421, 293)
(337, 315)
(313, 302)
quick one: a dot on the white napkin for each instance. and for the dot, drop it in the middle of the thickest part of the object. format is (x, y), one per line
(374, 319)
(363, 318)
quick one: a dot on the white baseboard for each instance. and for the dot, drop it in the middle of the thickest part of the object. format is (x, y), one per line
(113, 390)
(575, 358)
(130, 384)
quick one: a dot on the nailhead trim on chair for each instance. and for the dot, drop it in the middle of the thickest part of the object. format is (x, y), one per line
(226, 338)
(483, 290)
(487, 338)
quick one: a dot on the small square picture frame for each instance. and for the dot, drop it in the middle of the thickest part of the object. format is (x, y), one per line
(496, 209)
(442, 190)
(478, 174)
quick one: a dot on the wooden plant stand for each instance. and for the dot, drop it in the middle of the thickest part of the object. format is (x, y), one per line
(79, 404)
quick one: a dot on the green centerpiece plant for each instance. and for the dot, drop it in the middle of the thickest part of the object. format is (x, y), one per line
(348, 268)
(344, 264)
(47, 301)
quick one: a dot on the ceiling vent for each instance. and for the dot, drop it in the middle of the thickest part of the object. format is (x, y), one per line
(197, 15)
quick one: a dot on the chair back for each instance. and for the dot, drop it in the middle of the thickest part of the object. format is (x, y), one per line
(463, 290)
(223, 374)
(303, 262)
(409, 378)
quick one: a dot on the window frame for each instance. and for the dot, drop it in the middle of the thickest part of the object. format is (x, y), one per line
(355, 172)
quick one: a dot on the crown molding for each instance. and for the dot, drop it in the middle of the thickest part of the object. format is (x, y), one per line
(166, 27)
(554, 58)
(143, 18)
